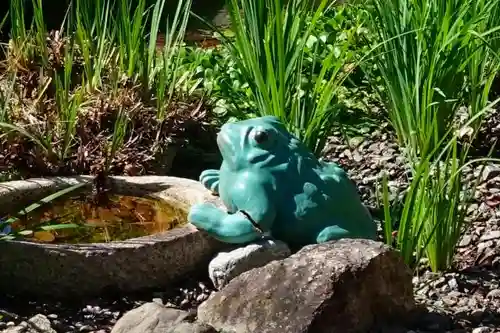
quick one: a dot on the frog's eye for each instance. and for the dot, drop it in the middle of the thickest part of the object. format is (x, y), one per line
(261, 137)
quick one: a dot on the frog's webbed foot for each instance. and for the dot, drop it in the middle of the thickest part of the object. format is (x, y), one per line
(210, 179)
(330, 233)
(229, 228)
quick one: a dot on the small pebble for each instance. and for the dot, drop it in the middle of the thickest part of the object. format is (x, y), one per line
(477, 314)
(439, 282)
(490, 235)
(495, 293)
(449, 301)
(453, 284)
(481, 330)
(85, 328)
(158, 301)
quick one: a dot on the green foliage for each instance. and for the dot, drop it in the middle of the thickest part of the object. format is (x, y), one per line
(298, 60)
(69, 104)
(427, 49)
(433, 215)
(123, 40)
(272, 40)
(112, 42)
(214, 72)
(117, 138)
(17, 22)
(92, 25)
(434, 57)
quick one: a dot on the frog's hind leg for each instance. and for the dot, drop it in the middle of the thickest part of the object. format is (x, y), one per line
(330, 233)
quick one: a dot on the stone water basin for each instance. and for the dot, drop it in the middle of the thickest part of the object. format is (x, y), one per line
(147, 252)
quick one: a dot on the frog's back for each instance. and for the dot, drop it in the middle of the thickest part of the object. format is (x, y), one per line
(318, 194)
(345, 202)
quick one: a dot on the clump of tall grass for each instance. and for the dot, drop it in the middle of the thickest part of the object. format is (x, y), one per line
(19, 48)
(269, 48)
(114, 43)
(434, 211)
(434, 57)
(93, 28)
(116, 35)
(428, 49)
(68, 103)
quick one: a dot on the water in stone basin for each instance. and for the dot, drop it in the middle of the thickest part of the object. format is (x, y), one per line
(78, 220)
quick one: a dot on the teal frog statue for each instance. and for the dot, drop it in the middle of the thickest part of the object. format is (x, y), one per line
(272, 185)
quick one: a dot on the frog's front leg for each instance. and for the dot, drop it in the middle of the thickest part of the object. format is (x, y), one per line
(253, 219)
(210, 179)
(330, 233)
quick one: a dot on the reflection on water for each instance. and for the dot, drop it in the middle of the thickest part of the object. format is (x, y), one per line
(76, 220)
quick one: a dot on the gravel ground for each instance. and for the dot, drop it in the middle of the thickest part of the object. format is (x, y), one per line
(99, 315)
(466, 299)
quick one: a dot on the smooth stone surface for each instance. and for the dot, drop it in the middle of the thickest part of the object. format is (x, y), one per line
(227, 265)
(36, 324)
(75, 270)
(341, 286)
(155, 318)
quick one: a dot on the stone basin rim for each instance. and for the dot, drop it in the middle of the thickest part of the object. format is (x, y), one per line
(59, 271)
(181, 192)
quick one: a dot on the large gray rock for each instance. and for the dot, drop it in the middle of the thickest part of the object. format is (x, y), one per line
(155, 318)
(229, 264)
(345, 286)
